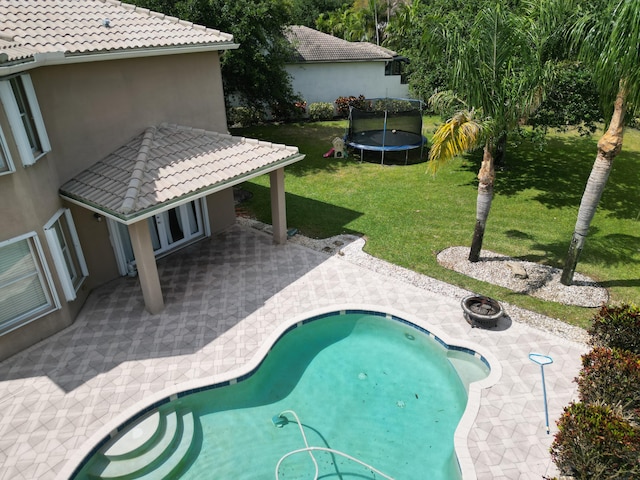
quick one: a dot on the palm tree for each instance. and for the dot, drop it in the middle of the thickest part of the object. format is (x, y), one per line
(498, 73)
(606, 36)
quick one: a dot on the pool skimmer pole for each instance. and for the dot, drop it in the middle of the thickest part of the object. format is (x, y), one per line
(542, 360)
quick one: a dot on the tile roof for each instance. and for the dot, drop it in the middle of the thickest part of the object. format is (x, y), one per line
(313, 46)
(72, 27)
(169, 162)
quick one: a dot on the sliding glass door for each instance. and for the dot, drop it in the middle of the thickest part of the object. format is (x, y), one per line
(169, 230)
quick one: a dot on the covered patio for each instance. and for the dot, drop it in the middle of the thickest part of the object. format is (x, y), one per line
(168, 166)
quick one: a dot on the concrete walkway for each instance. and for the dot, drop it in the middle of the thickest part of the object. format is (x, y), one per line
(224, 297)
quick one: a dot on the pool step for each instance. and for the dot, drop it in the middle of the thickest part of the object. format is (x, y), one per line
(151, 449)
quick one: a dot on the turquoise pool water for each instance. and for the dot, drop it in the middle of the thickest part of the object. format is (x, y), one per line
(376, 389)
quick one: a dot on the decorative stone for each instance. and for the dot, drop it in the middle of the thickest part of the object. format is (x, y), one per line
(517, 270)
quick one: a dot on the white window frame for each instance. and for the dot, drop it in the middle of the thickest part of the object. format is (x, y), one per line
(12, 111)
(60, 254)
(46, 281)
(6, 162)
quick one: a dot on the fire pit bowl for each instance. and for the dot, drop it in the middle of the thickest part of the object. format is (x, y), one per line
(480, 311)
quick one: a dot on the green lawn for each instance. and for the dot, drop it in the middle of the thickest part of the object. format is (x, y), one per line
(408, 215)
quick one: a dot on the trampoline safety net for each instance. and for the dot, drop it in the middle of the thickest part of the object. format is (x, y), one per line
(386, 125)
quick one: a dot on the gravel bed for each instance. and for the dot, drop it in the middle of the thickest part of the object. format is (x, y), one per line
(542, 281)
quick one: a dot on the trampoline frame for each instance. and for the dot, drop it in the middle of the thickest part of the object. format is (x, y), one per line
(386, 148)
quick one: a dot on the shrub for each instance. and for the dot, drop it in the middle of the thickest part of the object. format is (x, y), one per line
(343, 104)
(617, 327)
(244, 116)
(392, 105)
(320, 111)
(289, 111)
(611, 376)
(594, 442)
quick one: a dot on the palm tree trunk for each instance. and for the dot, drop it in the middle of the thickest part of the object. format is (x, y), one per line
(609, 147)
(486, 176)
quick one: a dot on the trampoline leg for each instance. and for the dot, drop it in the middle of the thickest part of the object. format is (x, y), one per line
(406, 157)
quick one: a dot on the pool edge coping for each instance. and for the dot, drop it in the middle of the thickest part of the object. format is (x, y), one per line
(139, 409)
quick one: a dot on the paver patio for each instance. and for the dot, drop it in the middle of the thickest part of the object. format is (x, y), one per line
(224, 297)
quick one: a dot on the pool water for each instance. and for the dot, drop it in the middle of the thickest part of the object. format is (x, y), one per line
(376, 389)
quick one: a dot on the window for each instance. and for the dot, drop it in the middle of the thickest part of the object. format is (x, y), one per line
(21, 106)
(66, 252)
(396, 67)
(26, 290)
(6, 165)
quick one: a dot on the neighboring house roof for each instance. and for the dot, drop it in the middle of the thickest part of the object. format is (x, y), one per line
(313, 46)
(169, 164)
(30, 29)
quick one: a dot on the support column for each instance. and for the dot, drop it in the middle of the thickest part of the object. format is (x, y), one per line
(147, 268)
(278, 207)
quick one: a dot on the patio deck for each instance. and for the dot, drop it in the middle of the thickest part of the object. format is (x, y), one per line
(224, 297)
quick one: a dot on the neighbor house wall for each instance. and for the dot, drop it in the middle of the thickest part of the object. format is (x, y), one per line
(89, 110)
(324, 82)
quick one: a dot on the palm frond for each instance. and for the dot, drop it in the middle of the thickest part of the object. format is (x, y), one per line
(461, 133)
(446, 101)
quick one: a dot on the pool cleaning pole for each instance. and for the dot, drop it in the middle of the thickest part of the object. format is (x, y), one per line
(543, 360)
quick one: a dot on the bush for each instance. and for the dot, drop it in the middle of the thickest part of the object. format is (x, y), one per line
(611, 376)
(392, 105)
(320, 111)
(244, 116)
(343, 104)
(594, 442)
(287, 112)
(617, 327)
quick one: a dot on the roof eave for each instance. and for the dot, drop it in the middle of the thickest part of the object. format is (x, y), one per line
(203, 192)
(349, 60)
(62, 58)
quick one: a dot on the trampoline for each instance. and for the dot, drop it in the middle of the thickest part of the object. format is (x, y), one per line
(386, 125)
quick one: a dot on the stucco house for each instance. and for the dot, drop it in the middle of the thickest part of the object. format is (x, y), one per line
(113, 151)
(325, 67)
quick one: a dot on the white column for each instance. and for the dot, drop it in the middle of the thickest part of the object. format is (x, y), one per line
(147, 268)
(278, 207)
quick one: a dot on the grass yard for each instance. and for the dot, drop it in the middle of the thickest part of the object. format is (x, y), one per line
(408, 215)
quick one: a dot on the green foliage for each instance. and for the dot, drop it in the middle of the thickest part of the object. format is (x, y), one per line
(320, 111)
(343, 104)
(392, 105)
(361, 22)
(288, 112)
(612, 377)
(617, 326)
(571, 101)
(606, 35)
(243, 116)
(306, 12)
(594, 442)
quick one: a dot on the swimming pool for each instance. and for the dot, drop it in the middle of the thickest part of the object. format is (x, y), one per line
(381, 391)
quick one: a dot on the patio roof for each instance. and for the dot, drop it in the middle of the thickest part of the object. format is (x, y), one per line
(168, 165)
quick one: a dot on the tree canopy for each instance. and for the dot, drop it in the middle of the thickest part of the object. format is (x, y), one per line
(497, 76)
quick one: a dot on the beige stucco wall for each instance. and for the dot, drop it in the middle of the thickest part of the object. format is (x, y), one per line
(221, 208)
(89, 110)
